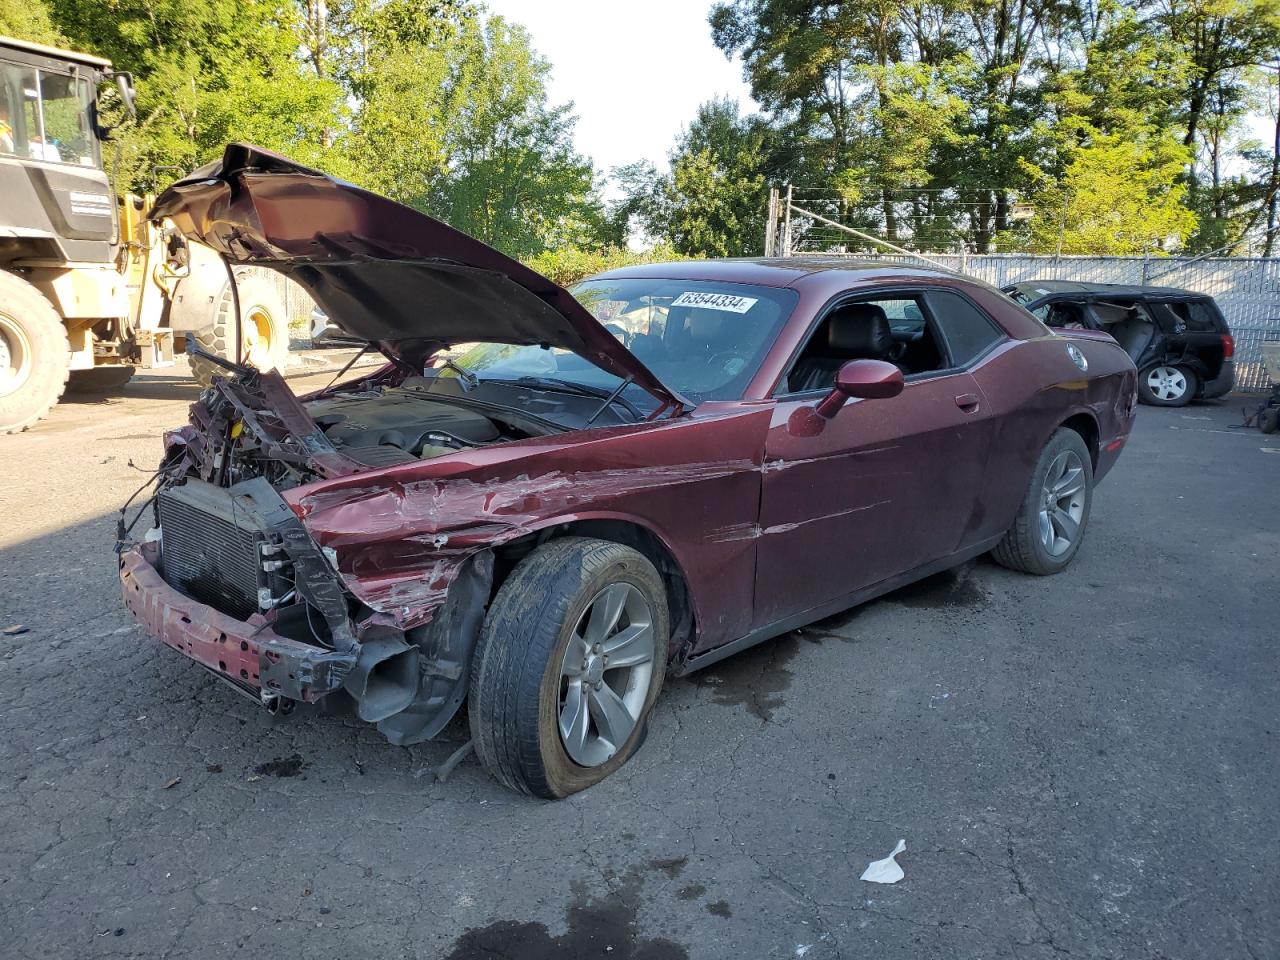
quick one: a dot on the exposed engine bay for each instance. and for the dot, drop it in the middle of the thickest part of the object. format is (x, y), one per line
(392, 426)
(252, 425)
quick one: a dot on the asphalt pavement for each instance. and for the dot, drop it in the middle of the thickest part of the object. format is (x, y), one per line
(1081, 766)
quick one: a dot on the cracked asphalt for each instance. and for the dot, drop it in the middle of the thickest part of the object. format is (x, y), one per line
(1082, 765)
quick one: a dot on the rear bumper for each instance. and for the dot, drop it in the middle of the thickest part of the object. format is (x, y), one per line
(246, 653)
(1222, 383)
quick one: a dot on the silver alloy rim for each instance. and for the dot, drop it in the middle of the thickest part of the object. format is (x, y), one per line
(1062, 503)
(1167, 383)
(605, 674)
(15, 356)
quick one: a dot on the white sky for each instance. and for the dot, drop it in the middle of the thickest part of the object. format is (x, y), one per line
(635, 72)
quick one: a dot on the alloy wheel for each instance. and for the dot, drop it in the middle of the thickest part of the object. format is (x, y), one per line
(605, 674)
(1062, 503)
(1167, 383)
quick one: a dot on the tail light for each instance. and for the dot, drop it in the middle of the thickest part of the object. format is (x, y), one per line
(1228, 346)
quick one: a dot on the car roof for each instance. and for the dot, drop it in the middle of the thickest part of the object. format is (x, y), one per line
(774, 271)
(1040, 289)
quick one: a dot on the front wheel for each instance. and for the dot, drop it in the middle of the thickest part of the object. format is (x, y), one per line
(1050, 523)
(1165, 385)
(569, 664)
(34, 354)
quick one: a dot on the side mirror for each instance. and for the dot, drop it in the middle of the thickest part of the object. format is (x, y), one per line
(124, 83)
(867, 379)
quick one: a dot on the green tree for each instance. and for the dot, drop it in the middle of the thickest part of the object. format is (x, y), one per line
(984, 101)
(206, 73)
(456, 123)
(1120, 193)
(28, 20)
(714, 200)
(513, 177)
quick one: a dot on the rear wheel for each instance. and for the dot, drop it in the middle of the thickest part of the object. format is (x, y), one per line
(264, 334)
(1050, 523)
(1165, 385)
(569, 663)
(34, 354)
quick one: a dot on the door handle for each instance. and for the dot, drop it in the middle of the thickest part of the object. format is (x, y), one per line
(968, 402)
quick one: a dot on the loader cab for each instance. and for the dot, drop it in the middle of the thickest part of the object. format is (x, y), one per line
(59, 204)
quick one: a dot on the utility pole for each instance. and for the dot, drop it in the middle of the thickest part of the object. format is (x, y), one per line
(1275, 176)
(1062, 223)
(786, 226)
(771, 225)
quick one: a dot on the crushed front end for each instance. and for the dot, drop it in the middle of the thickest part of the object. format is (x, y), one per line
(219, 566)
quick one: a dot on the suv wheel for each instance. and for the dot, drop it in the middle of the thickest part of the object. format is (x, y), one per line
(1165, 385)
(569, 663)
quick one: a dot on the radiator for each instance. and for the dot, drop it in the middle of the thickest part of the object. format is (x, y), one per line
(210, 548)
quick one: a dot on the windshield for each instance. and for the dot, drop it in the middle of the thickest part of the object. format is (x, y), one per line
(702, 338)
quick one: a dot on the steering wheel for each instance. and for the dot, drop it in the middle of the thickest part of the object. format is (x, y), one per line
(728, 361)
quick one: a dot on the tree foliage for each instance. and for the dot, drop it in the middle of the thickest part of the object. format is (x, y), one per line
(713, 201)
(929, 122)
(431, 102)
(1117, 124)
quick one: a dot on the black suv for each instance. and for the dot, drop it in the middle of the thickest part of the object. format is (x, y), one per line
(1179, 340)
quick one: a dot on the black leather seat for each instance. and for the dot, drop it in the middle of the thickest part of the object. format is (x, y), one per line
(856, 331)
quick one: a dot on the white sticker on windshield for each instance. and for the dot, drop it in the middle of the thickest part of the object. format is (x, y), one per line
(715, 301)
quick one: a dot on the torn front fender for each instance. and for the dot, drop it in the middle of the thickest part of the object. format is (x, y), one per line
(444, 655)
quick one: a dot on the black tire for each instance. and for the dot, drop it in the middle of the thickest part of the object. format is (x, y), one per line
(1023, 548)
(259, 303)
(34, 341)
(99, 379)
(1147, 393)
(515, 674)
(1269, 420)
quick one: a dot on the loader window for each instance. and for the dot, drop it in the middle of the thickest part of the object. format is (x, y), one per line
(17, 110)
(45, 116)
(67, 103)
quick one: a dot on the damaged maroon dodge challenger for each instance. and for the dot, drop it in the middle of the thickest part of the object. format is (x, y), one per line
(602, 488)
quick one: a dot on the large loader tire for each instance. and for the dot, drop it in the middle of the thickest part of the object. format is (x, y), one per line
(264, 331)
(34, 354)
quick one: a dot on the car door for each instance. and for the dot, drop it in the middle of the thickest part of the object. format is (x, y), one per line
(883, 487)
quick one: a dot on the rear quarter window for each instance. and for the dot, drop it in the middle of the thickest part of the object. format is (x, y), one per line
(968, 331)
(1200, 316)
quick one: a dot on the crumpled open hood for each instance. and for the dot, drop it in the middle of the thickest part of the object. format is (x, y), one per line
(381, 271)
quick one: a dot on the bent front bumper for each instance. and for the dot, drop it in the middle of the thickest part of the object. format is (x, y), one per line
(246, 653)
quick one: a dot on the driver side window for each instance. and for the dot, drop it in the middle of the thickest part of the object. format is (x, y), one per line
(896, 329)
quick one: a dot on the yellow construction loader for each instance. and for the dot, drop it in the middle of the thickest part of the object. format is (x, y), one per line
(90, 290)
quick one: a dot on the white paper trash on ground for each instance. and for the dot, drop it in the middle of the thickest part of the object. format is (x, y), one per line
(886, 870)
